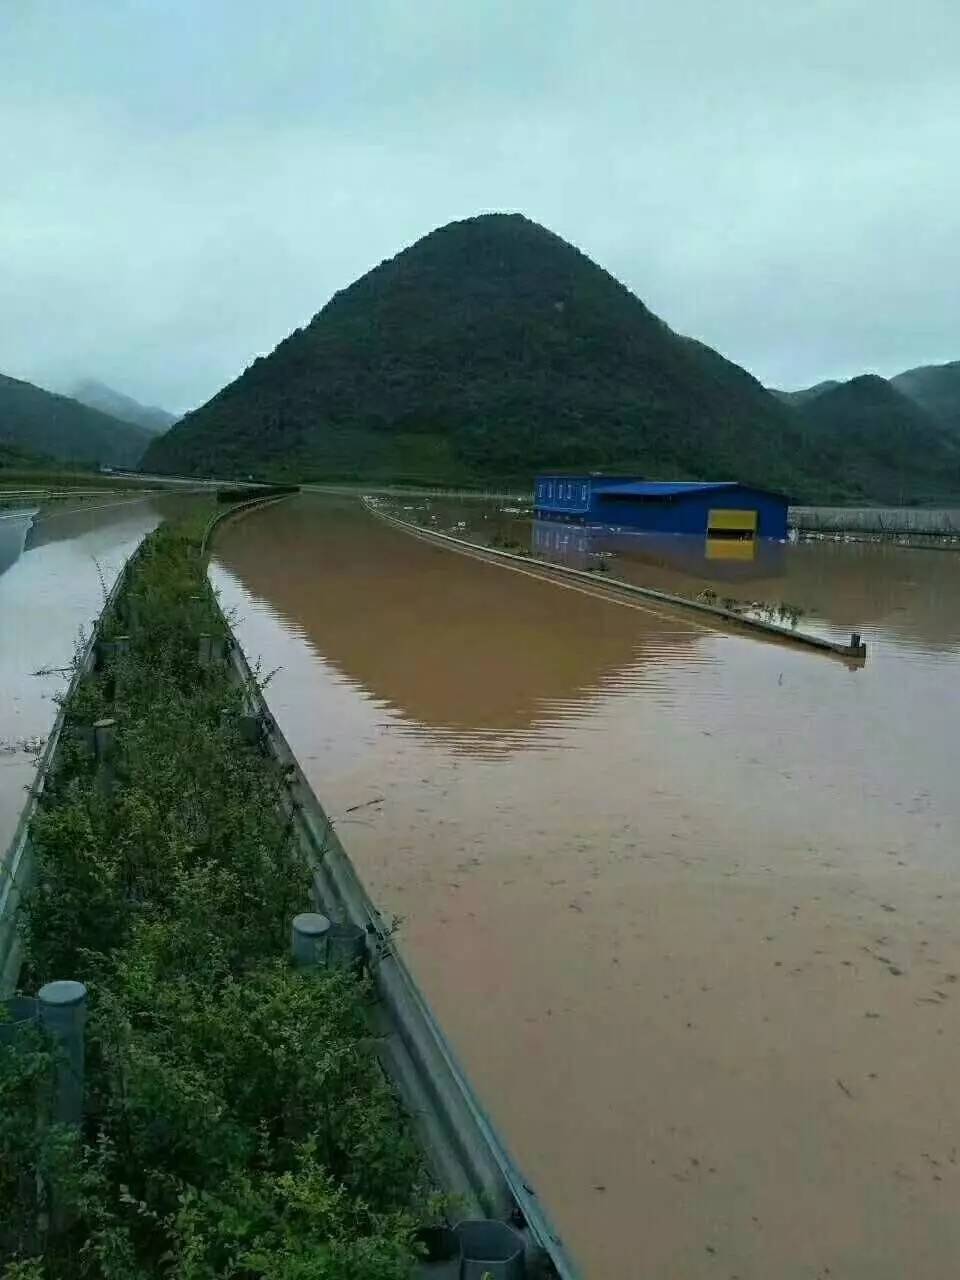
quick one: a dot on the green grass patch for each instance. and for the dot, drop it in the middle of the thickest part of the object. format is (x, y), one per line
(237, 1123)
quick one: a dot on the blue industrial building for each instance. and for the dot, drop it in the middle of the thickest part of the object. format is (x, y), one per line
(721, 509)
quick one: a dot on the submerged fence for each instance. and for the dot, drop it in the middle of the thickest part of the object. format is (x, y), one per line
(878, 521)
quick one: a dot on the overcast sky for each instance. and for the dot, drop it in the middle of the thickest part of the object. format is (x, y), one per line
(182, 182)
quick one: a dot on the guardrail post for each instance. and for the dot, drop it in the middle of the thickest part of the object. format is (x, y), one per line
(210, 649)
(308, 939)
(104, 737)
(104, 744)
(63, 1015)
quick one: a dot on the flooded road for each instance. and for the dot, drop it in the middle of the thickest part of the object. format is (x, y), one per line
(686, 903)
(56, 559)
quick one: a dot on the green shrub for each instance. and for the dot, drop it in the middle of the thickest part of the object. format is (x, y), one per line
(237, 1123)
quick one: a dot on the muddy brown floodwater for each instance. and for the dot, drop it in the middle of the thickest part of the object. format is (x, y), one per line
(687, 903)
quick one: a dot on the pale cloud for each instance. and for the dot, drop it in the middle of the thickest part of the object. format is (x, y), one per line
(181, 184)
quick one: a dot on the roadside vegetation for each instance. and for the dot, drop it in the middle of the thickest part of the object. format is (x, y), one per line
(37, 478)
(237, 1123)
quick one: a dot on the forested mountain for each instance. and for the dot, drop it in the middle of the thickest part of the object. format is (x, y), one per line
(936, 388)
(881, 442)
(41, 422)
(97, 395)
(492, 348)
(486, 350)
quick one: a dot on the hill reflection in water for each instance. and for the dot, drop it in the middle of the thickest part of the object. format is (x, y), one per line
(454, 646)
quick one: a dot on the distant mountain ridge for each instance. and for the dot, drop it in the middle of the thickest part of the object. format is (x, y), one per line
(807, 393)
(97, 395)
(935, 388)
(491, 348)
(867, 429)
(41, 422)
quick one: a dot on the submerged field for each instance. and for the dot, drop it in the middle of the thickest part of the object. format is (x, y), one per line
(685, 901)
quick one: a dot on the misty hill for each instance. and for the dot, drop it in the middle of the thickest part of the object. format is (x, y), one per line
(935, 388)
(486, 350)
(492, 348)
(41, 422)
(881, 441)
(807, 393)
(97, 395)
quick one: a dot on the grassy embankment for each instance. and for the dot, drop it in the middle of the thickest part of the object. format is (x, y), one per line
(236, 1122)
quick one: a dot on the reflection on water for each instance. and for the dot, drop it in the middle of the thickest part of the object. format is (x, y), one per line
(715, 559)
(14, 527)
(687, 903)
(333, 575)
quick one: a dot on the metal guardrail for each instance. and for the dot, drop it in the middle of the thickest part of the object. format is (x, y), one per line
(547, 569)
(467, 1156)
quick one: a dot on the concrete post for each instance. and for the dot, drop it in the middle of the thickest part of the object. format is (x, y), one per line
(63, 1014)
(104, 741)
(104, 737)
(308, 939)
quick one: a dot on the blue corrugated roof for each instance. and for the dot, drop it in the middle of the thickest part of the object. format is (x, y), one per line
(660, 488)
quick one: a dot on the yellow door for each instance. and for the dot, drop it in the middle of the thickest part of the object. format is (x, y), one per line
(729, 523)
